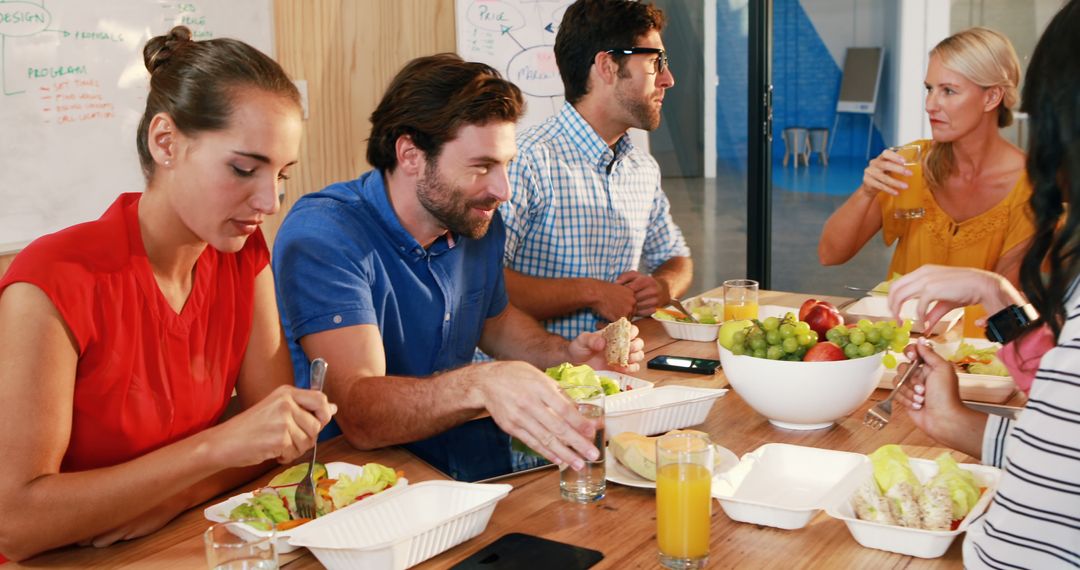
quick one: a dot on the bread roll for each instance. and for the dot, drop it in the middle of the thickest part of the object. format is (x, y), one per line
(638, 452)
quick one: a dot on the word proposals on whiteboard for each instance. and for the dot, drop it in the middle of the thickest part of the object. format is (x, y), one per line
(517, 37)
(72, 90)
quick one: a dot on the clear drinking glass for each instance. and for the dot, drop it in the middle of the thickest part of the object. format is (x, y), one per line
(740, 299)
(684, 465)
(909, 204)
(232, 546)
(589, 484)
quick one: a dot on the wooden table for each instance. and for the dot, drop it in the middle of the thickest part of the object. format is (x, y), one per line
(623, 525)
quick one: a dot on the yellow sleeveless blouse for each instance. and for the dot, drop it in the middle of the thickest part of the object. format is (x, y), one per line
(976, 242)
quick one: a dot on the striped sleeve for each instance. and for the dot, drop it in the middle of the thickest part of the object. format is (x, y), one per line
(1034, 520)
(994, 439)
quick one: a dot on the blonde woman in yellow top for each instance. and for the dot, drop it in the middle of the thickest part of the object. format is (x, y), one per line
(975, 202)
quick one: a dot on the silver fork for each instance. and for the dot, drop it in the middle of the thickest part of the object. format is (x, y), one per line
(679, 306)
(878, 416)
(305, 491)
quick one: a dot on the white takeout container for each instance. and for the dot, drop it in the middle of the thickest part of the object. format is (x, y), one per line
(699, 332)
(973, 387)
(626, 383)
(658, 410)
(397, 530)
(781, 485)
(876, 308)
(898, 539)
(220, 511)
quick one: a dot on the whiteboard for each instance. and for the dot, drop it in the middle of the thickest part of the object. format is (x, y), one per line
(517, 37)
(73, 91)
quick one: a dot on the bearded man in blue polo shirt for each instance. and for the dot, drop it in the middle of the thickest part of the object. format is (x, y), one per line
(587, 207)
(396, 278)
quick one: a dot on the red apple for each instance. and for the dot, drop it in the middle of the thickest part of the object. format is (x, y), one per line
(822, 317)
(805, 308)
(824, 351)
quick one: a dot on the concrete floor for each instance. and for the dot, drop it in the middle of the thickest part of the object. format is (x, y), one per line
(712, 215)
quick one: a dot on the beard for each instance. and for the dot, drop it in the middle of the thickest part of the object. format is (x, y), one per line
(447, 203)
(642, 113)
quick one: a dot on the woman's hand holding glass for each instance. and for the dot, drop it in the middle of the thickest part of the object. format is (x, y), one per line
(876, 176)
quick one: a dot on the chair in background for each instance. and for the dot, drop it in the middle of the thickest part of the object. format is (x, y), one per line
(797, 143)
(819, 143)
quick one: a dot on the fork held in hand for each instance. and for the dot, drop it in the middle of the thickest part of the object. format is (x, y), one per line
(305, 491)
(878, 416)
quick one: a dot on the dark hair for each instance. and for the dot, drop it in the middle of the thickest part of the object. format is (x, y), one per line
(592, 26)
(193, 82)
(1052, 100)
(431, 98)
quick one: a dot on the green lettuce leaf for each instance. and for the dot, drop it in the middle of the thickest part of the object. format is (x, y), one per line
(373, 479)
(891, 467)
(570, 377)
(990, 364)
(267, 506)
(962, 486)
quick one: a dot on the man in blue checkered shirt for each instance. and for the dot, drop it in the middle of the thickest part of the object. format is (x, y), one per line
(586, 207)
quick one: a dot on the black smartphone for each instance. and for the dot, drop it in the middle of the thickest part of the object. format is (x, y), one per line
(684, 364)
(516, 551)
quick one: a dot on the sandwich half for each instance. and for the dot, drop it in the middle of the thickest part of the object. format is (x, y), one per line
(617, 336)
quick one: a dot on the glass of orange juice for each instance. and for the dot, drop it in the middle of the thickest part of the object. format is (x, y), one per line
(909, 204)
(684, 464)
(740, 299)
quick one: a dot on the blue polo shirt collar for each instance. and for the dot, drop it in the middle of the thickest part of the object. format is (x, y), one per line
(376, 194)
(589, 142)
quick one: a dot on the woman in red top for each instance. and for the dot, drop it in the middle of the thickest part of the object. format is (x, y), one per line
(122, 340)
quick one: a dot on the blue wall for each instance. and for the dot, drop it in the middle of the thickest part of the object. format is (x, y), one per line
(806, 83)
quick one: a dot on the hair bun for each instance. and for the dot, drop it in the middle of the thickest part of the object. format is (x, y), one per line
(160, 49)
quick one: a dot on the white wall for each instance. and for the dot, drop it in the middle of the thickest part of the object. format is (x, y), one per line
(908, 29)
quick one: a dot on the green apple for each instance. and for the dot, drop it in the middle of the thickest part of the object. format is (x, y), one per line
(728, 330)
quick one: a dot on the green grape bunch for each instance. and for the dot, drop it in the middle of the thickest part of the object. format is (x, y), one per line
(774, 338)
(789, 339)
(867, 338)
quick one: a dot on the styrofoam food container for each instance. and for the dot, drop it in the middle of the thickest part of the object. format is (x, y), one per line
(973, 387)
(658, 410)
(397, 530)
(626, 383)
(876, 308)
(898, 539)
(220, 511)
(802, 395)
(781, 485)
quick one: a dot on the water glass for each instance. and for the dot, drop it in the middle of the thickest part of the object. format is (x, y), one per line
(909, 204)
(740, 299)
(589, 484)
(684, 464)
(232, 546)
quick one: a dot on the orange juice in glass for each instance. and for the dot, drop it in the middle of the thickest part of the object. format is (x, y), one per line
(740, 299)
(909, 204)
(683, 499)
(971, 314)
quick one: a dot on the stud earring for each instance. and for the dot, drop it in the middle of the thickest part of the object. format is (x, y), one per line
(168, 163)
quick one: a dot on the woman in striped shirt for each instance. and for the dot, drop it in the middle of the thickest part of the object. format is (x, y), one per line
(1034, 521)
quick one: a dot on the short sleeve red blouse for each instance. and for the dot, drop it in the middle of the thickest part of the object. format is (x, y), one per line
(146, 376)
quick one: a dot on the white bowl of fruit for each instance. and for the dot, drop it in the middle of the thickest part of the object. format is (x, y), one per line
(780, 369)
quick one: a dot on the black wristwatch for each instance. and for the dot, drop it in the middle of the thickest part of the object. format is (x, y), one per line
(1007, 324)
